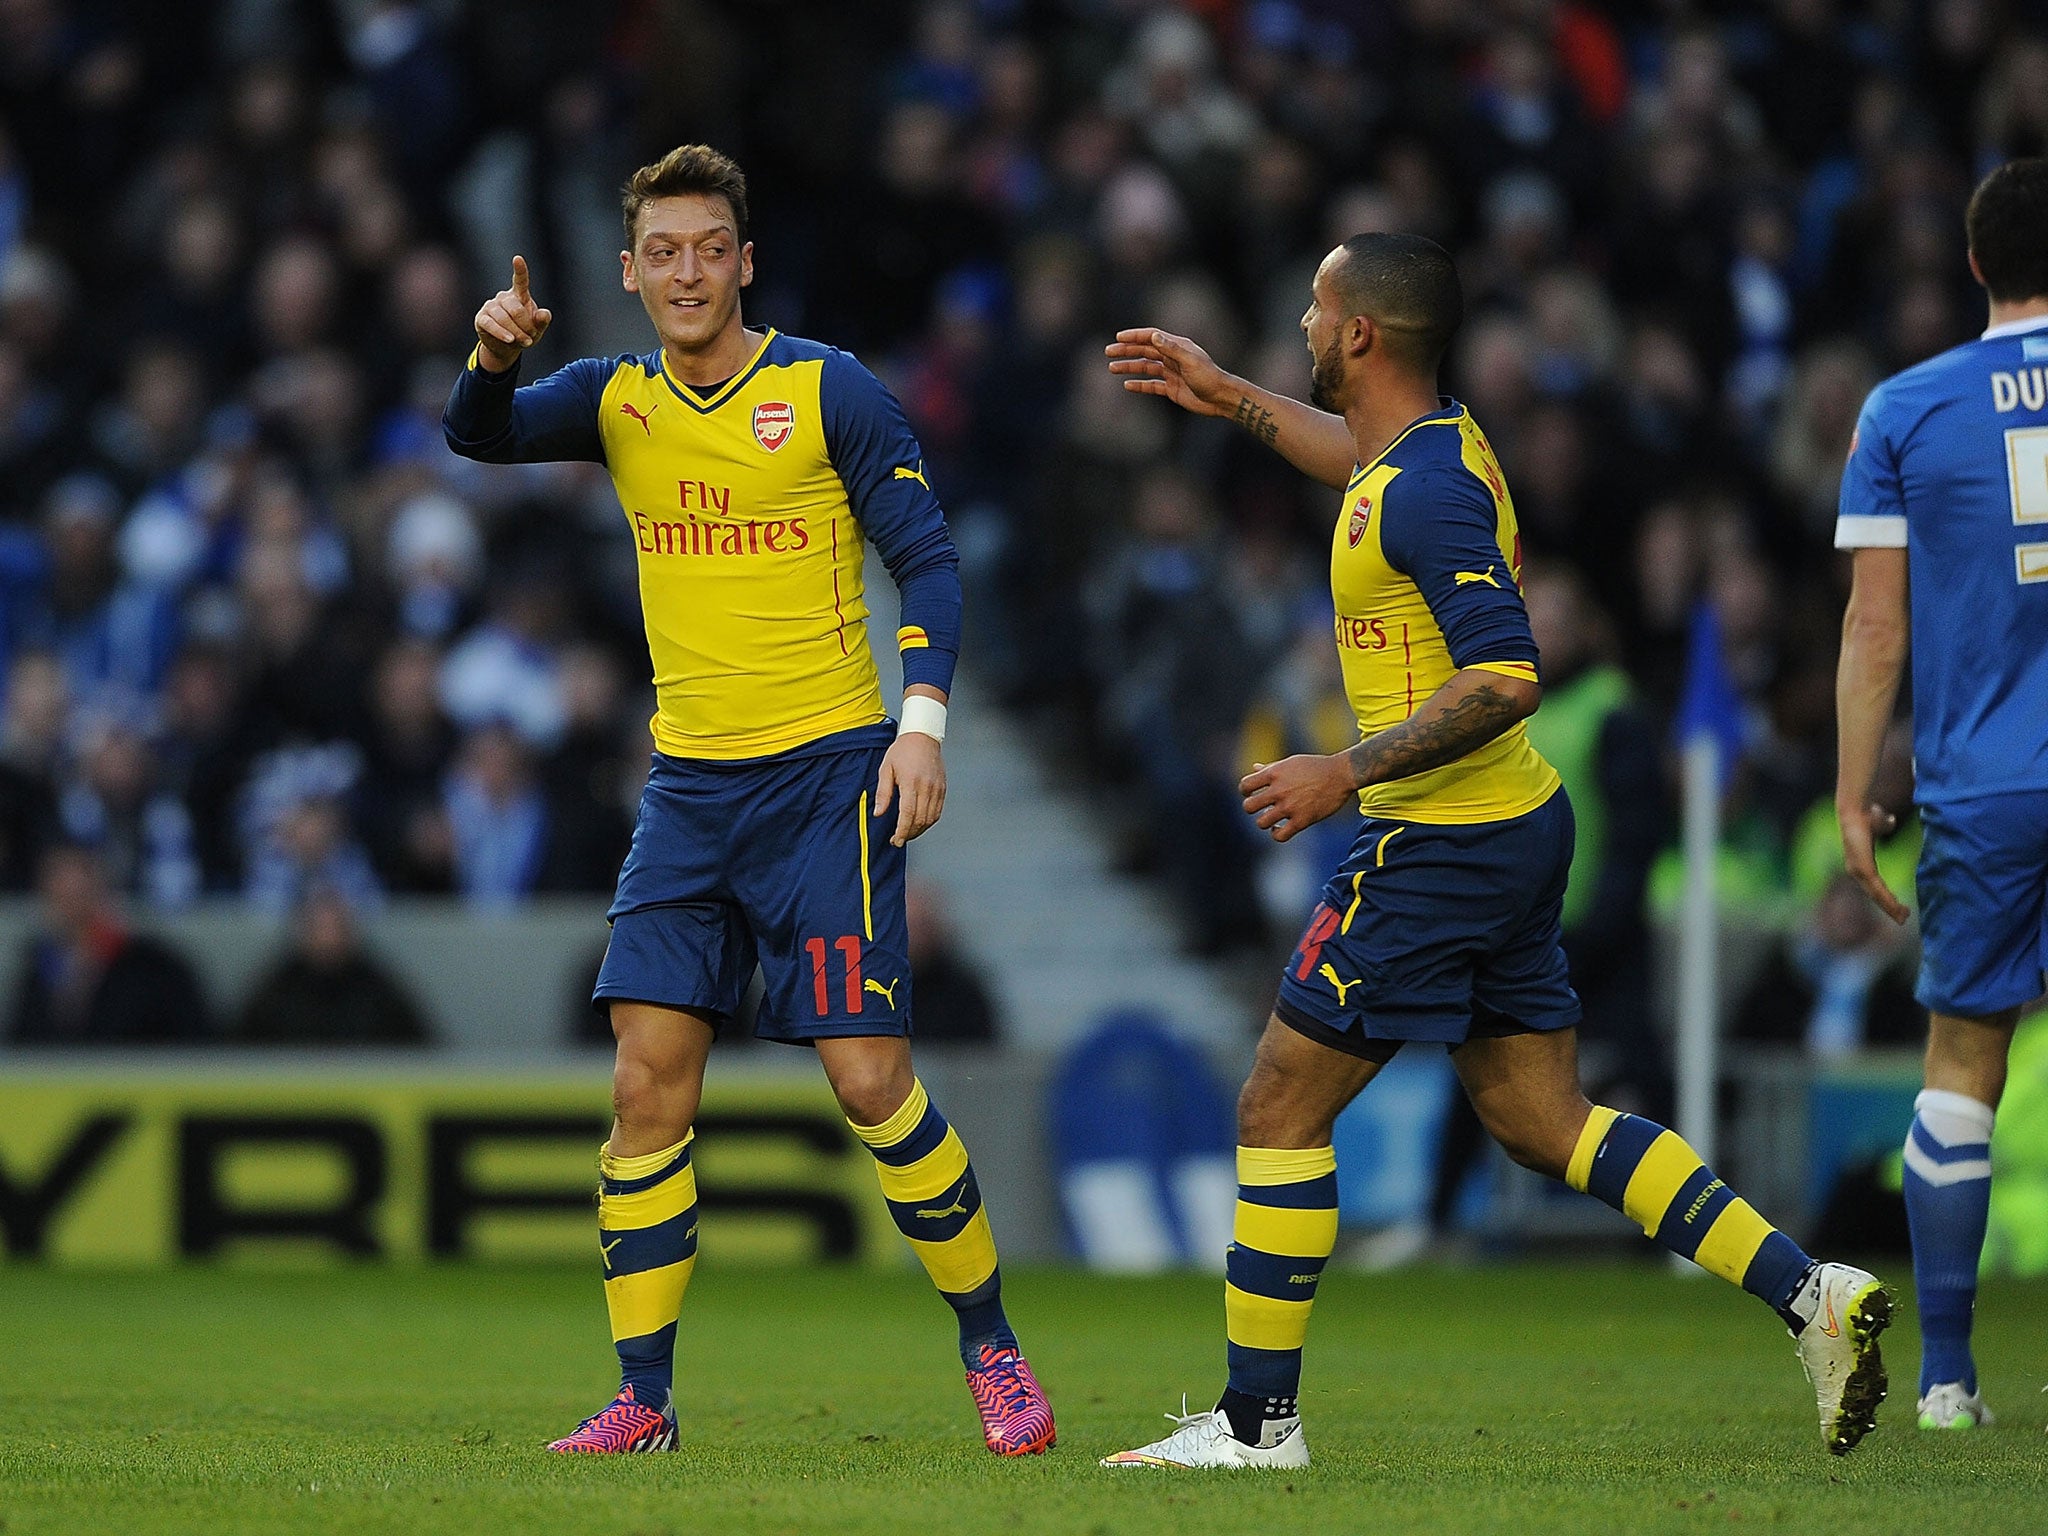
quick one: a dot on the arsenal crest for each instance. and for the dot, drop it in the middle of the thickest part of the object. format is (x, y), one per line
(774, 420)
(1361, 514)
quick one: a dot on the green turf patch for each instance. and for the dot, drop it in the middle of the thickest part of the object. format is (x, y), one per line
(1516, 1400)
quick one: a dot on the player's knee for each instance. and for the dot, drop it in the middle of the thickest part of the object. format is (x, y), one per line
(870, 1092)
(1266, 1117)
(1531, 1153)
(1534, 1144)
(638, 1092)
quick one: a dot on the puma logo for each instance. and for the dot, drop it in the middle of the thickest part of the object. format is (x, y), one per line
(626, 407)
(957, 1208)
(1329, 974)
(916, 474)
(888, 992)
(1473, 578)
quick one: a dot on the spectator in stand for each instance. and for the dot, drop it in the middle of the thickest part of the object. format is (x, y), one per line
(86, 978)
(497, 818)
(950, 1002)
(508, 669)
(31, 757)
(1657, 216)
(1176, 678)
(1604, 744)
(328, 990)
(1842, 983)
(435, 559)
(398, 798)
(590, 821)
(109, 634)
(1814, 428)
(204, 754)
(119, 803)
(296, 829)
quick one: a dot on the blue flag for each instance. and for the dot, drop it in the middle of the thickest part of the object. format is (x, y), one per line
(1710, 704)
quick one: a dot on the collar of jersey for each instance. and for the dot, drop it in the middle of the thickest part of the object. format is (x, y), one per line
(706, 404)
(2015, 327)
(1446, 414)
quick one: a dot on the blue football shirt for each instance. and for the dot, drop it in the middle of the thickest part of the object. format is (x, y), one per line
(1950, 463)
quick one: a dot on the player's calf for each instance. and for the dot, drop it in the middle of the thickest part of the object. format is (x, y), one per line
(1834, 1312)
(936, 1203)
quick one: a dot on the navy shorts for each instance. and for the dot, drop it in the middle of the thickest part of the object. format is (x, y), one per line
(1983, 884)
(1442, 933)
(777, 860)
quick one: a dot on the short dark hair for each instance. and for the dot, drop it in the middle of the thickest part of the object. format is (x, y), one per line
(687, 170)
(1409, 285)
(2008, 228)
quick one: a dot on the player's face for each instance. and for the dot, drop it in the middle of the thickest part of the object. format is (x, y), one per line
(1326, 357)
(688, 268)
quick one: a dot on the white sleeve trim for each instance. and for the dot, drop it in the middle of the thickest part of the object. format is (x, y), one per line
(1871, 532)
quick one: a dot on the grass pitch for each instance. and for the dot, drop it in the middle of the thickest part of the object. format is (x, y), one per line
(1524, 1400)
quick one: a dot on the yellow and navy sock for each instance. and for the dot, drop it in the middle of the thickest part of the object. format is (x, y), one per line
(647, 1232)
(1654, 1178)
(930, 1187)
(1285, 1228)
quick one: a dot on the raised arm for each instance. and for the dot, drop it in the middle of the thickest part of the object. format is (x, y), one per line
(509, 322)
(489, 418)
(1152, 362)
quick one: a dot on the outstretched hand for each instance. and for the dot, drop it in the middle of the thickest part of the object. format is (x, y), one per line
(510, 322)
(913, 778)
(1152, 362)
(1861, 827)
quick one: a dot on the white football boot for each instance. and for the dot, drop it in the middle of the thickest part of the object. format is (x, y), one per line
(1948, 1406)
(1204, 1440)
(1838, 1347)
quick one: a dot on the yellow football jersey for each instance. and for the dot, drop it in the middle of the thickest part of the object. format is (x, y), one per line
(747, 506)
(1425, 563)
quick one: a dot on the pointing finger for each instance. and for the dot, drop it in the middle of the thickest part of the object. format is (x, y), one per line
(519, 281)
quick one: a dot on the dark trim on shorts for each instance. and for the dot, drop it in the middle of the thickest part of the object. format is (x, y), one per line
(717, 1018)
(1350, 1042)
(1486, 1025)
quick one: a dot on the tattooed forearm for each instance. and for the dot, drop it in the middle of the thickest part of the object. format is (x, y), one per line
(1257, 420)
(1429, 739)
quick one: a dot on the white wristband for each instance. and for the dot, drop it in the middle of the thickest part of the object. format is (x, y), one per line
(924, 714)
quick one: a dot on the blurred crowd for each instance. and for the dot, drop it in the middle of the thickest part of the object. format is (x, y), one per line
(261, 633)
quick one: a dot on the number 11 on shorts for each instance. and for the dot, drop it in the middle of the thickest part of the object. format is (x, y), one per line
(848, 946)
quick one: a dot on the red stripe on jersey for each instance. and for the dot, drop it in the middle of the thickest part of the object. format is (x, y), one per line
(1408, 661)
(837, 612)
